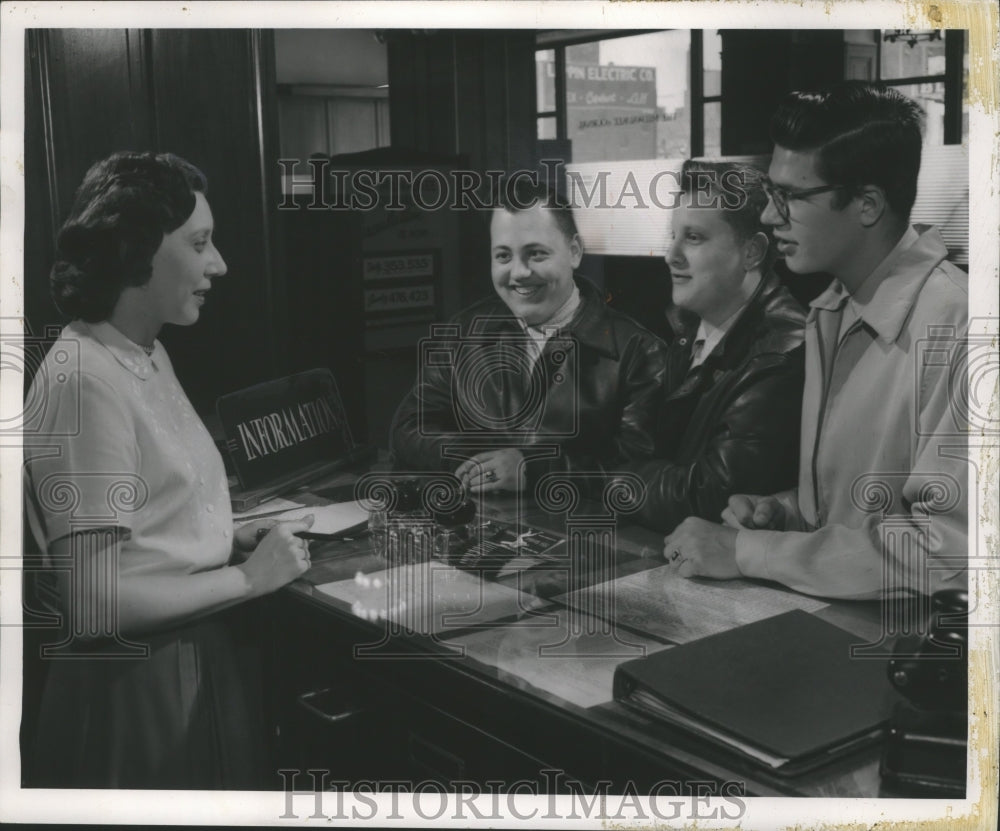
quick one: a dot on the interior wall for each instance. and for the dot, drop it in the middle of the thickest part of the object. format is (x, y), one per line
(759, 68)
(351, 57)
(90, 92)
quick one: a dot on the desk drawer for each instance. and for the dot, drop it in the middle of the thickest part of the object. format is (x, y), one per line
(447, 750)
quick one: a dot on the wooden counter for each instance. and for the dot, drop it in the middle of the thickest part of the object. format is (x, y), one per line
(526, 696)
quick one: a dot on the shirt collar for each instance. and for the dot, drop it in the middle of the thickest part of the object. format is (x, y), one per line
(711, 334)
(562, 316)
(686, 323)
(886, 296)
(591, 324)
(866, 291)
(129, 354)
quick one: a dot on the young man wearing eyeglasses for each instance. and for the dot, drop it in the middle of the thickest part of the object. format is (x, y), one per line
(881, 504)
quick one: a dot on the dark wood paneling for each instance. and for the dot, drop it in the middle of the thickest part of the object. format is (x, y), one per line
(465, 93)
(754, 78)
(323, 250)
(469, 94)
(84, 98)
(520, 76)
(760, 68)
(817, 58)
(207, 95)
(469, 90)
(97, 82)
(212, 113)
(640, 287)
(40, 219)
(442, 103)
(495, 105)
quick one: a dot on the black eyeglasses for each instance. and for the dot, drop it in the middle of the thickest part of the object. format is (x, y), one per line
(782, 196)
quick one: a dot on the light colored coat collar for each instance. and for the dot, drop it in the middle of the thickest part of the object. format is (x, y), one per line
(886, 297)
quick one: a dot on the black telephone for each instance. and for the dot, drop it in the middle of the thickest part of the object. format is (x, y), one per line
(926, 749)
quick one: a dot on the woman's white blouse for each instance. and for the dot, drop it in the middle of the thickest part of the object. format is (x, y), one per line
(116, 443)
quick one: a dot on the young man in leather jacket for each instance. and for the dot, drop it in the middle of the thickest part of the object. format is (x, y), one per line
(730, 416)
(542, 377)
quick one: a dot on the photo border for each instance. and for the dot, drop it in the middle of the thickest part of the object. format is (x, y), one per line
(154, 807)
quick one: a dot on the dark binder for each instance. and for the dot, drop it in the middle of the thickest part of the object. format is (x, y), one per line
(783, 692)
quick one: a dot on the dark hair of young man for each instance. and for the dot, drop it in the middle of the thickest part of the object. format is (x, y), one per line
(737, 190)
(864, 134)
(520, 194)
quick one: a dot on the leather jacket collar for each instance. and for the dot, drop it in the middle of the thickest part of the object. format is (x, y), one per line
(591, 325)
(742, 339)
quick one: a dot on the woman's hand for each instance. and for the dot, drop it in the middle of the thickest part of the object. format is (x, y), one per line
(247, 537)
(279, 558)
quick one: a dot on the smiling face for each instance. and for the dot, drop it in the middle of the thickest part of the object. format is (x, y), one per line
(818, 236)
(183, 268)
(532, 262)
(708, 262)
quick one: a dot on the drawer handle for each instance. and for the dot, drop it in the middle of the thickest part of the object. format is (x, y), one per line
(435, 759)
(306, 702)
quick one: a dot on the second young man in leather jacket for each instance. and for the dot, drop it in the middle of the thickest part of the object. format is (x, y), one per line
(729, 418)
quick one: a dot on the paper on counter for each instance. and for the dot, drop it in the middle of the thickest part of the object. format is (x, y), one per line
(330, 519)
(573, 659)
(429, 598)
(267, 508)
(663, 604)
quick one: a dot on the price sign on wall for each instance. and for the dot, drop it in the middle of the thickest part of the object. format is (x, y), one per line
(401, 288)
(402, 298)
(399, 265)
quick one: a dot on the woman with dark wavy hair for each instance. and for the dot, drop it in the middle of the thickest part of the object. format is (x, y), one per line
(129, 504)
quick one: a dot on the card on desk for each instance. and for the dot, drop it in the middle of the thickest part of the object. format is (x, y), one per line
(327, 519)
(659, 602)
(783, 692)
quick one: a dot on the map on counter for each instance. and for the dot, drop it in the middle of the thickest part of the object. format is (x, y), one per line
(574, 658)
(501, 549)
(428, 598)
(665, 605)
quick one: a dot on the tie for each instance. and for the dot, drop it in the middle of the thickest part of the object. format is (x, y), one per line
(699, 344)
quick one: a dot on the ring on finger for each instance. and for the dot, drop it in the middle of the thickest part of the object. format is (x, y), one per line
(674, 555)
(490, 476)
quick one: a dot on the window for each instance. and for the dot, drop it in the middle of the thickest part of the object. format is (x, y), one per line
(628, 96)
(711, 97)
(624, 109)
(931, 67)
